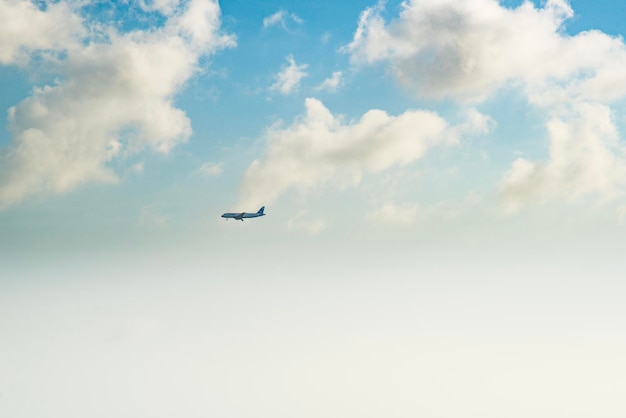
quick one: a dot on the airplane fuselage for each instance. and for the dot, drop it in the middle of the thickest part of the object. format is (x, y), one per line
(243, 215)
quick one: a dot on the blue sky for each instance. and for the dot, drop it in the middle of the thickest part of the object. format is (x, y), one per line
(230, 97)
(444, 184)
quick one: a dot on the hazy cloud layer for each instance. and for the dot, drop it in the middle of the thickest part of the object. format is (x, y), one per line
(395, 213)
(302, 222)
(115, 97)
(321, 149)
(468, 50)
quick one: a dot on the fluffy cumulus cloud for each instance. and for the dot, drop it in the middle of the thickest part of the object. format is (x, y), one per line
(288, 79)
(24, 28)
(321, 149)
(468, 50)
(585, 158)
(115, 97)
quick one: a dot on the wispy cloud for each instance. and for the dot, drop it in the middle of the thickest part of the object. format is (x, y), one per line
(331, 83)
(166, 7)
(210, 169)
(281, 18)
(288, 79)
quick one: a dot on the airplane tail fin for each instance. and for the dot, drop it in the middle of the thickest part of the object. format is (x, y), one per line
(261, 210)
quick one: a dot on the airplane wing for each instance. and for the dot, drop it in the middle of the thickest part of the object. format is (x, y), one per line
(240, 216)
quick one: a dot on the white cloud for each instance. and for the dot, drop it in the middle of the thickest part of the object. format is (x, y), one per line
(280, 18)
(320, 149)
(116, 97)
(166, 7)
(288, 79)
(24, 28)
(199, 26)
(586, 159)
(468, 50)
(211, 169)
(331, 83)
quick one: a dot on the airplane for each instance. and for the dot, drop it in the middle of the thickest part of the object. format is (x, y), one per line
(242, 215)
